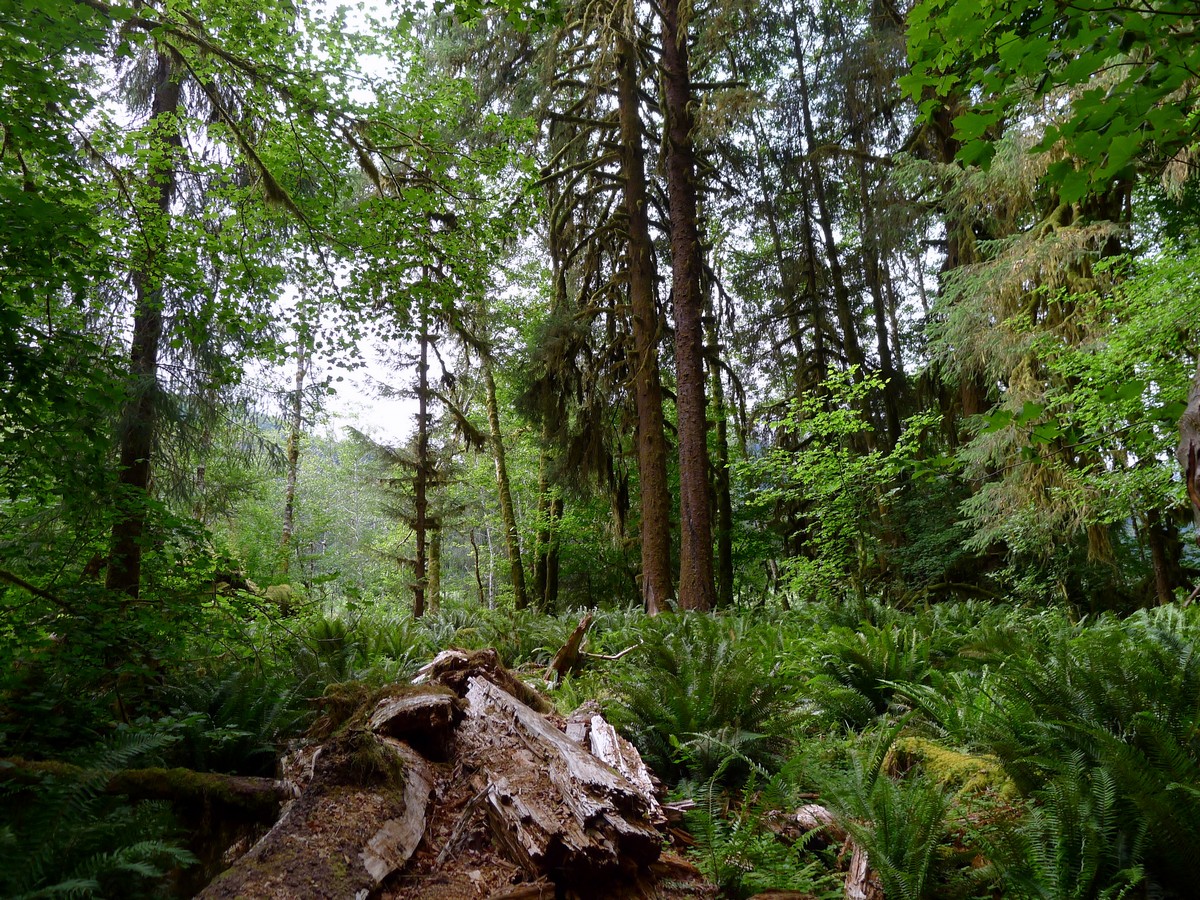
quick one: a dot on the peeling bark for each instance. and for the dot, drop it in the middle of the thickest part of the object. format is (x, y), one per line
(556, 806)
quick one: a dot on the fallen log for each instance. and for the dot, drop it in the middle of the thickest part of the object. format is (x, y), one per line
(359, 820)
(258, 799)
(510, 808)
(456, 668)
(609, 747)
(554, 806)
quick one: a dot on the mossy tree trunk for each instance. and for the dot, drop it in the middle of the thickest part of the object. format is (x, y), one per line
(512, 539)
(140, 419)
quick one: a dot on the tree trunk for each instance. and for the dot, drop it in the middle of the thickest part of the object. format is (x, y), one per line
(845, 309)
(875, 273)
(434, 592)
(542, 536)
(550, 598)
(293, 455)
(696, 585)
(1188, 450)
(421, 475)
(512, 538)
(478, 574)
(651, 440)
(1165, 553)
(137, 438)
(720, 480)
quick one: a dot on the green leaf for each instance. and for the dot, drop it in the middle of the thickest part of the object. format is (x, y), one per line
(1130, 390)
(1029, 412)
(996, 421)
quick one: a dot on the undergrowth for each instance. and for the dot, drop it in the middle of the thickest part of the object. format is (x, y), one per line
(973, 749)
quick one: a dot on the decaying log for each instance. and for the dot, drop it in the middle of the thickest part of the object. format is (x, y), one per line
(456, 668)
(609, 747)
(511, 807)
(258, 799)
(567, 657)
(862, 883)
(424, 718)
(351, 828)
(674, 811)
(554, 805)
(579, 723)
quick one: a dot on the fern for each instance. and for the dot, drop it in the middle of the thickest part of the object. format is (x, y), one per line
(1072, 847)
(736, 852)
(1115, 706)
(696, 693)
(901, 823)
(68, 839)
(236, 720)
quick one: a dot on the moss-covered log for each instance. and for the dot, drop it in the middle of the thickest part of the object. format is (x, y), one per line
(255, 798)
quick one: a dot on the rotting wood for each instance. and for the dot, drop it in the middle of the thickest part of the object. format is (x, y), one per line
(568, 655)
(347, 832)
(613, 657)
(674, 811)
(425, 719)
(517, 809)
(455, 669)
(608, 746)
(556, 807)
(579, 723)
(862, 883)
(460, 826)
(537, 890)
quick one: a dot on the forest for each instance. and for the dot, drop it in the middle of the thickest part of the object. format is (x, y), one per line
(810, 389)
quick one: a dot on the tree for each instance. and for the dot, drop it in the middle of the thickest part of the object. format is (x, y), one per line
(696, 581)
(651, 440)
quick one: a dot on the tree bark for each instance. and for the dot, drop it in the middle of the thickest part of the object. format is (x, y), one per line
(421, 474)
(434, 593)
(512, 540)
(696, 584)
(1188, 451)
(137, 438)
(1165, 553)
(293, 454)
(876, 273)
(720, 475)
(651, 440)
(550, 599)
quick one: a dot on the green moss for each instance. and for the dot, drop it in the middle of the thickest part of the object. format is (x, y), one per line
(968, 772)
